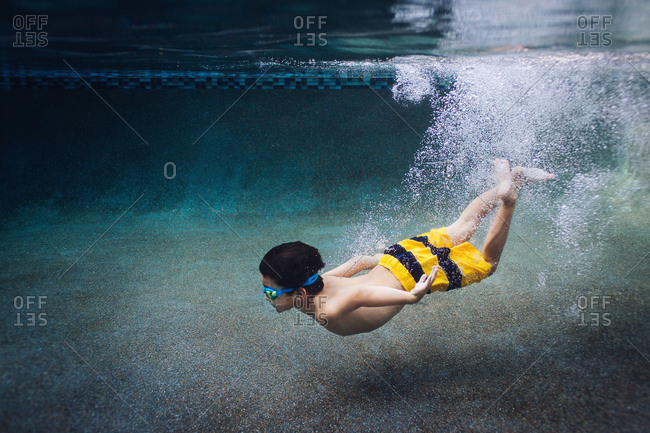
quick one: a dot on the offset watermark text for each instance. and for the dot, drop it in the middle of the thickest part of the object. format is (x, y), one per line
(593, 310)
(169, 170)
(29, 31)
(29, 310)
(320, 317)
(310, 30)
(593, 31)
(444, 168)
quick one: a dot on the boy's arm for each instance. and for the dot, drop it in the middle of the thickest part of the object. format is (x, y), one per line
(354, 265)
(382, 296)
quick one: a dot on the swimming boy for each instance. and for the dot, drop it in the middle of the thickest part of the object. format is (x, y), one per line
(438, 260)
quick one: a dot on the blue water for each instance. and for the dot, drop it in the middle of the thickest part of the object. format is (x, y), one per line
(137, 217)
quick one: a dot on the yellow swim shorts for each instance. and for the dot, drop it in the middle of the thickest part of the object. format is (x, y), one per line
(459, 266)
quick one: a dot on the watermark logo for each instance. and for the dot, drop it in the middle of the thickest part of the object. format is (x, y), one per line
(169, 170)
(29, 31)
(593, 31)
(593, 310)
(28, 310)
(309, 30)
(319, 318)
(442, 168)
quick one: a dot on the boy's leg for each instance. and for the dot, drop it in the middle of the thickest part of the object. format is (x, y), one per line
(465, 226)
(497, 236)
(509, 183)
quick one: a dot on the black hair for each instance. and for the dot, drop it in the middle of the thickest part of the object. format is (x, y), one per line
(291, 264)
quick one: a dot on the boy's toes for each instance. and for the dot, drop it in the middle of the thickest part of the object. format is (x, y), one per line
(527, 176)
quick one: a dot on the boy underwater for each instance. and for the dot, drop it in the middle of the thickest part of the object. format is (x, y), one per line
(438, 260)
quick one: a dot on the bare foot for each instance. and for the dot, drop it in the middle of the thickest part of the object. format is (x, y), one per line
(506, 188)
(524, 176)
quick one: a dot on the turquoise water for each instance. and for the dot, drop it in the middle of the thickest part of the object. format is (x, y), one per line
(151, 316)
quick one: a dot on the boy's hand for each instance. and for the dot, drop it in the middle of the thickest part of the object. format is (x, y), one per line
(424, 285)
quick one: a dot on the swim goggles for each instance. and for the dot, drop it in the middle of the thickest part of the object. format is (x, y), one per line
(272, 293)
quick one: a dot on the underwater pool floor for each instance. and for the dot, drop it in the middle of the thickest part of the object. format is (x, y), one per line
(161, 326)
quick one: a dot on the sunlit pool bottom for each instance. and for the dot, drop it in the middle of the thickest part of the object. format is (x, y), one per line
(161, 327)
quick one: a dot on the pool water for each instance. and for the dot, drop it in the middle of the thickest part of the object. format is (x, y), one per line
(136, 210)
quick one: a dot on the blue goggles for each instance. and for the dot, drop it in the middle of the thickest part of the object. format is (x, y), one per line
(272, 293)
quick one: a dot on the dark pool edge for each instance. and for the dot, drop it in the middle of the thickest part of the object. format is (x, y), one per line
(69, 79)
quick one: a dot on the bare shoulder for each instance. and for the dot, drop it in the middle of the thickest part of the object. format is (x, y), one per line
(333, 312)
(339, 294)
(343, 302)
